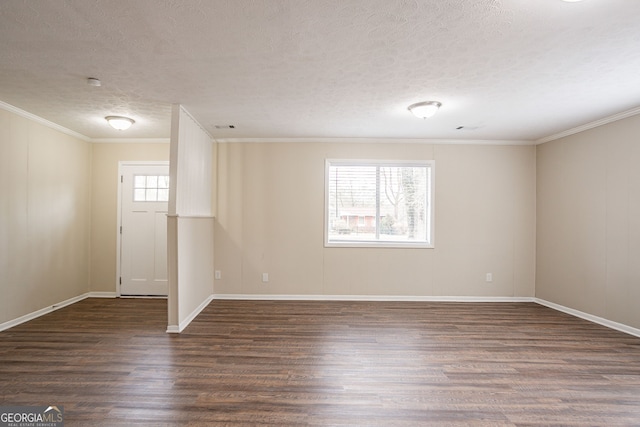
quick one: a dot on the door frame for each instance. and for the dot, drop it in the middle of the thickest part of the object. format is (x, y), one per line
(121, 165)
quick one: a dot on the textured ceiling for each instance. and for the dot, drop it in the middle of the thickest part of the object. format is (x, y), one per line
(504, 69)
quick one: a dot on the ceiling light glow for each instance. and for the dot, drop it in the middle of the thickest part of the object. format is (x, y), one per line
(424, 110)
(119, 122)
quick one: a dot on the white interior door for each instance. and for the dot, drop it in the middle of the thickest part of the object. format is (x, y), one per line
(143, 234)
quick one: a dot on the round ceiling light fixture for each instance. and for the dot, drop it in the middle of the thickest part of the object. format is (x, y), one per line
(119, 122)
(424, 110)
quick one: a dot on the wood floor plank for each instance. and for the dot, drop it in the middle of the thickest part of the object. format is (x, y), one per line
(110, 362)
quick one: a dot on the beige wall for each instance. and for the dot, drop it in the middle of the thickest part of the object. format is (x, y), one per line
(59, 200)
(271, 209)
(588, 233)
(45, 178)
(104, 204)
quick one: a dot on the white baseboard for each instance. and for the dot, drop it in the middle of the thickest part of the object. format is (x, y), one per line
(142, 296)
(102, 295)
(173, 329)
(41, 312)
(586, 316)
(179, 328)
(273, 297)
(590, 317)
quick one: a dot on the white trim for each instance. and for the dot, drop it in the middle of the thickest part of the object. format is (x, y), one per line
(281, 297)
(590, 317)
(191, 216)
(44, 122)
(121, 164)
(143, 163)
(173, 329)
(41, 312)
(27, 115)
(130, 140)
(142, 296)
(188, 114)
(428, 164)
(589, 125)
(350, 140)
(268, 297)
(102, 295)
(586, 316)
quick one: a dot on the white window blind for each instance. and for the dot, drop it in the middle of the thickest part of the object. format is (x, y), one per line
(379, 203)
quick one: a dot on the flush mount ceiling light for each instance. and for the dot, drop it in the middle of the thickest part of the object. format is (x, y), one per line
(424, 110)
(119, 122)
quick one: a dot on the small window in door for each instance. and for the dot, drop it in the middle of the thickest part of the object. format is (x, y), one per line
(150, 188)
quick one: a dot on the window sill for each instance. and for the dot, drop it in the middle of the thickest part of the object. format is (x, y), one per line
(384, 245)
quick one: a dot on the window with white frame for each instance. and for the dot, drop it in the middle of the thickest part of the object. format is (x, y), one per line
(379, 203)
(150, 188)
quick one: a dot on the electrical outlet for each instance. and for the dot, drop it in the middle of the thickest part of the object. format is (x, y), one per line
(489, 277)
(265, 277)
(218, 274)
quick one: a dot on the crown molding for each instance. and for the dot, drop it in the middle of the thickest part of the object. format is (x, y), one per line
(130, 140)
(44, 122)
(590, 125)
(351, 140)
(25, 114)
(435, 141)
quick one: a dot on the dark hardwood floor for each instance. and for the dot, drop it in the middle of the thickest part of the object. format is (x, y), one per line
(110, 362)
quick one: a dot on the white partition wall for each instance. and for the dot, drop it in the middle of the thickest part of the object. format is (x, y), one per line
(191, 167)
(190, 222)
